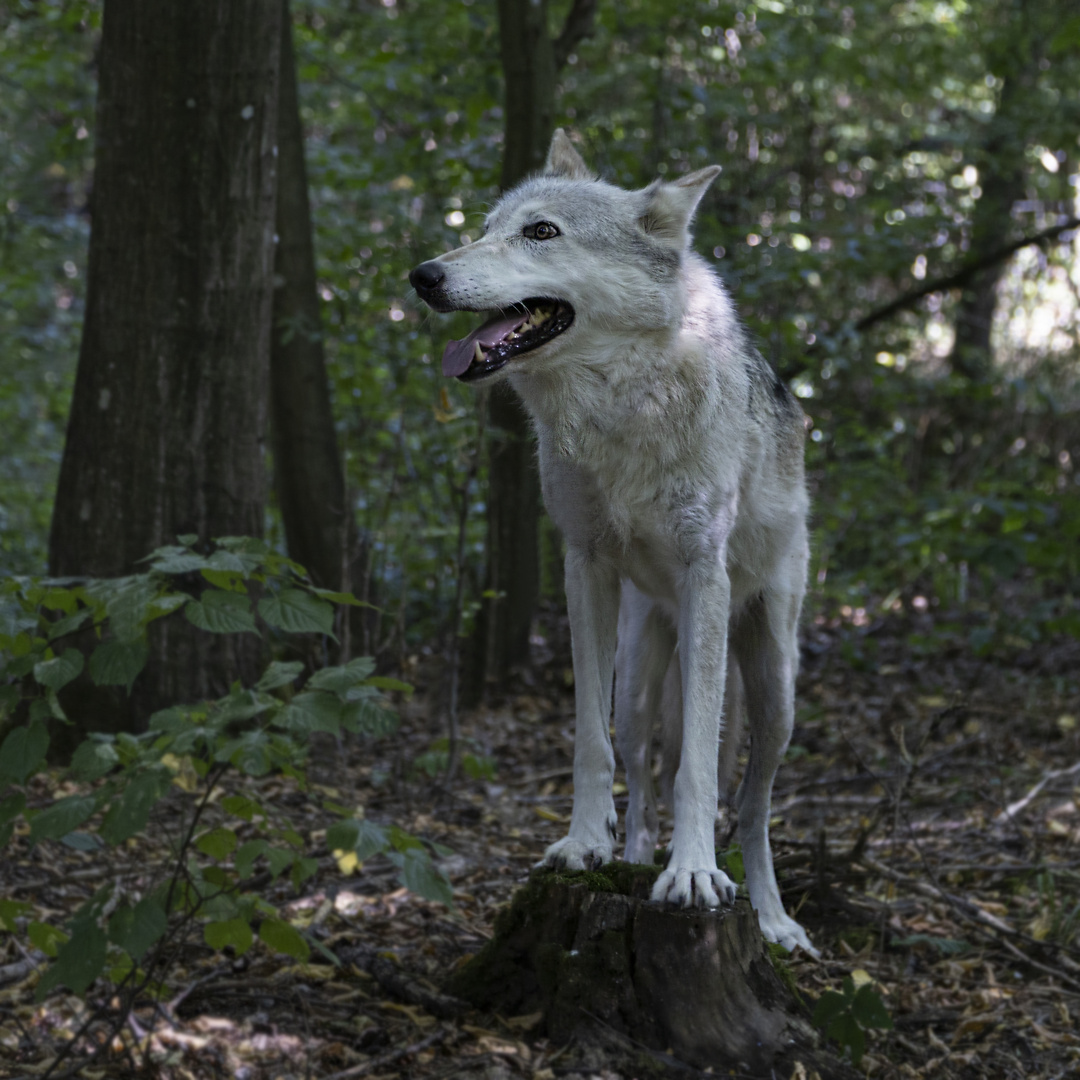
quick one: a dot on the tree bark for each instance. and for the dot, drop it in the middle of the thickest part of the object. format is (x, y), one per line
(646, 985)
(320, 529)
(530, 60)
(1002, 179)
(168, 419)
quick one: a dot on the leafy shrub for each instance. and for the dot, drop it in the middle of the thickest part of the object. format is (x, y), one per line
(188, 752)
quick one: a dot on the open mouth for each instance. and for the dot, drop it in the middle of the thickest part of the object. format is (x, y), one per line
(484, 351)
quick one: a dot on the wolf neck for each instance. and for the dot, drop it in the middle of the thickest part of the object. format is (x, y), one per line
(638, 387)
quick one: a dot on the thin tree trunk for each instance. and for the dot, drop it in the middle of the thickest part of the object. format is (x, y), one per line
(530, 59)
(308, 475)
(168, 419)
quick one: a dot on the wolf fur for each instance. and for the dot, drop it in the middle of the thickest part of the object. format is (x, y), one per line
(671, 457)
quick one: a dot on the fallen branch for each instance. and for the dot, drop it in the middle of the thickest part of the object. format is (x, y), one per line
(390, 1057)
(972, 913)
(1015, 808)
(400, 984)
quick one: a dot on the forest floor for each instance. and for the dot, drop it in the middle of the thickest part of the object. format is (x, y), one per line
(926, 828)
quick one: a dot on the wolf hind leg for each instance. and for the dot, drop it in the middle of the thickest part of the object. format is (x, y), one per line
(764, 640)
(643, 656)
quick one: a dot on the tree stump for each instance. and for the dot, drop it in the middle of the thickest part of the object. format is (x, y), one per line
(648, 984)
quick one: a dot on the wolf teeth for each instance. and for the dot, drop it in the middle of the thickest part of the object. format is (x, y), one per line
(478, 353)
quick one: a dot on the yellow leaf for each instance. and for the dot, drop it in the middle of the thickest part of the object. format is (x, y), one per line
(523, 1023)
(548, 815)
(861, 977)
(347, 861)
(184, 775)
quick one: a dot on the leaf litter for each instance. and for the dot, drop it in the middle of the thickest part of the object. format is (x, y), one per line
(926, 829)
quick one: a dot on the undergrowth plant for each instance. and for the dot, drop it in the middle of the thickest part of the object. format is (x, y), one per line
(187, 768)
(846, 1016)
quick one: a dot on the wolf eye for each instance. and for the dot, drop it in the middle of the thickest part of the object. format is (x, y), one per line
(542, 230)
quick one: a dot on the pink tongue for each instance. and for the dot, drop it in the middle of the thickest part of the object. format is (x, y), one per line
(458, 355)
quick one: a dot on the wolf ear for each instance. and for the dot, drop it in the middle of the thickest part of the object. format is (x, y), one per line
(563, 160)
(669, 208)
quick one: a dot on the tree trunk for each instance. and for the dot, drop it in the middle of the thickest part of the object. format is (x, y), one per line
(530, 60)
(320, 529)
(168, 419)
(1002, 179)
(642, 984)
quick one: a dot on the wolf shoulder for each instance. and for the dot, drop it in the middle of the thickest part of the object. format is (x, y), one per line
(725, 348)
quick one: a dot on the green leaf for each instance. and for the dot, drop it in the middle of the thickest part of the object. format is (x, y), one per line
(948, 946)
(340, 680)
(69, 624)
(298, 612)
(23, 752)
(46, 938)
(10, 911)
(246, 854)
(128, 606)
(228, 580)
(846, 1031)
(279, 673)
(136, 928)
(251, 753)
(384, 682)
(177, 560)
(221, 612)
(733, 865)
(365, 838)
(284, 938)
(828, 1006)
(219, 843)
(78, 963)
(241, 705)
(341, 598)
(280, 859)
(242, 807)
(422, 877)
(118, 663)
(310, 711)
(131, 811)
(12, 807)
(93, 759)
(81, 841)
(343, 835)
(868, 1008)
(58, 672)
(368, 718)
(61, 818)
(234, 932)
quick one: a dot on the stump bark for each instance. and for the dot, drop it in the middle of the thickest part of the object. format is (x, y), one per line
(609, 968)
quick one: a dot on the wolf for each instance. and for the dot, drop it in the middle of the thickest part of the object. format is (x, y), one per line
(671, 458)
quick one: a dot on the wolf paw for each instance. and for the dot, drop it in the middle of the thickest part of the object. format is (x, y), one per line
(694, 888)
(571, 854)
(785, 931)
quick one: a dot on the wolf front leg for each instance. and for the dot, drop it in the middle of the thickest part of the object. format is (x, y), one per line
(592, 597)
(691, 878)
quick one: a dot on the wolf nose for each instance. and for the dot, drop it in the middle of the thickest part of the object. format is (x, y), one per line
(427, 276)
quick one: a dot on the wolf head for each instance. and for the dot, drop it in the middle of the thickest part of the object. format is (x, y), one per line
(565, 256)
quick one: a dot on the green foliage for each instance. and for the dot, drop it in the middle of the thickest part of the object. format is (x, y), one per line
(848, 1015)
(858, 143)
(186, 753)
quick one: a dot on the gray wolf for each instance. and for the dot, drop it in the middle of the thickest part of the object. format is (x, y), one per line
(671, 457)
